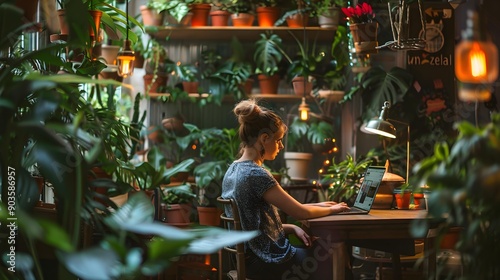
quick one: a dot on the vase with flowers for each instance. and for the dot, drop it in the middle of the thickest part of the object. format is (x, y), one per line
(363, 27)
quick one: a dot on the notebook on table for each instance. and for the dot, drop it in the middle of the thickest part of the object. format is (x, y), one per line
(367, 192)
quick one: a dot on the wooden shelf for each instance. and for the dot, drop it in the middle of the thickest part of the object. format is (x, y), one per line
(258, 96)
(210, 33)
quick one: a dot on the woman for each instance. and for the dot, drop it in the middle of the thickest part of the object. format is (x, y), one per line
(259, 196)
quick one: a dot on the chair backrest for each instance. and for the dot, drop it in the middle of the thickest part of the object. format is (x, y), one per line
(233, 223)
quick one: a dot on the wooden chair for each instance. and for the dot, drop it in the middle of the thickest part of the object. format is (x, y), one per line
(233, 223)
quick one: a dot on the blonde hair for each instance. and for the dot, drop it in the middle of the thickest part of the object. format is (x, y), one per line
(255, 120)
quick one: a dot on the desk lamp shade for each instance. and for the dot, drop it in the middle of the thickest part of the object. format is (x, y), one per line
(476, 62)
(380, 125)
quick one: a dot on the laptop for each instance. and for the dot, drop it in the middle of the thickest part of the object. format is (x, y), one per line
(367, 192)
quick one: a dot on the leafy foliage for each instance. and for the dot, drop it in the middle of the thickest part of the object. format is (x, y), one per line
(268, 54)
(341, 181)
(377, 86)
(463, 179)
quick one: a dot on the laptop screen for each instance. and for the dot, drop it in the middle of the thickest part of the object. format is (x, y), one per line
(369, 186)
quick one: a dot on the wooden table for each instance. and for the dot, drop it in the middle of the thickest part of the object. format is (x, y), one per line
(335, 230)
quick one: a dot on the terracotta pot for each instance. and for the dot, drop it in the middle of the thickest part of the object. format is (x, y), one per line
(417, 199)
(176, 214)
(301, 86)
(151, 86)
(139, 60)
(267, 16)
(364, 36)
(242, 19)
(220, 18)
(209, 216)
(150, 17)
(200, 14)
(402, 198)
(190, 87)
(269, 85)
(96, 15)
(298, 20)
(109, 53)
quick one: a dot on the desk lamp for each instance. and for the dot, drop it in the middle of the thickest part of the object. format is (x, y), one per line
(382, 126)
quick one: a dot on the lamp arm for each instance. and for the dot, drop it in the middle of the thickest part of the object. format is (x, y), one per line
(407, 148)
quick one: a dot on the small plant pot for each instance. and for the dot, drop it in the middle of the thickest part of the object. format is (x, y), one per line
(176, 214)
(242, 19)
(150, 17)
(109, 53)
(220, 18)
(329, 19)
(209, 216)
(200, 14)
(301, 86)
(402, 198)
(269, 84)
(190, 87)
(267, 16)
(298, 20)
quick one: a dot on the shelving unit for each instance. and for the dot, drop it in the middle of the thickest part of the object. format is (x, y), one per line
(210, 33)
(269, 97)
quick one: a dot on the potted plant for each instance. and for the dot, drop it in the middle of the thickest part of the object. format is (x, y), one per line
(303, 66)
(233, 75)
(53, 110)
(328, 12)
(156, 76)
(340, 181)
(363, 27)
(300, 137)
(177, 204)
(268, 11)
(219, 13)
(200, 10)
(267, 56)
(462, 177)
(242, 13)
(331, 84)
(219, 147)
(186, 73)
(175, 12)
(297, 13)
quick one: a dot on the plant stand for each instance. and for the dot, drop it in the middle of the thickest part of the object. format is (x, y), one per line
(364, 36)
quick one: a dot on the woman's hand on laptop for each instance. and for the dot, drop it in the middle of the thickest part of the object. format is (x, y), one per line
(339, 207)
(325, 203)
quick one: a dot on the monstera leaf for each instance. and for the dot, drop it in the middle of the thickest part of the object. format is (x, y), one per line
(377, 86)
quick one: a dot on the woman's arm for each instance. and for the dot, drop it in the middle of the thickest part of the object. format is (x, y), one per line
(284, 201)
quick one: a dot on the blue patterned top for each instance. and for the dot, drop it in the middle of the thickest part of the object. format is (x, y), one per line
(246, 182)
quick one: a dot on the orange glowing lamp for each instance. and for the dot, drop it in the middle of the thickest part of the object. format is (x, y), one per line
(476, 63)
(304, 110)
(125, 60)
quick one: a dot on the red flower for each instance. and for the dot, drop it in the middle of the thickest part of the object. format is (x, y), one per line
(362, 13)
